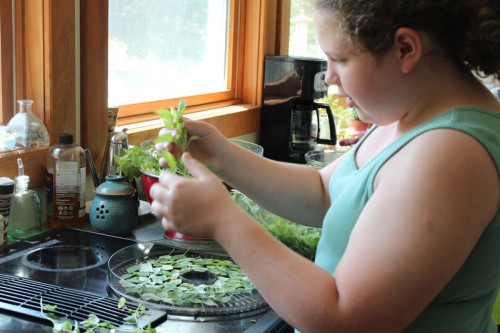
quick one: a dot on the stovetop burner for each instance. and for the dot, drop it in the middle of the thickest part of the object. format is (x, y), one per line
(65, 258)
(69, 267)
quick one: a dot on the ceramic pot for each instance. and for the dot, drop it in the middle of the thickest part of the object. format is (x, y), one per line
(358, 125)
(115, 208)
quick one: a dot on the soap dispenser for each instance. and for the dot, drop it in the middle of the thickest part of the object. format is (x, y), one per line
(28, 130)
(25, 211)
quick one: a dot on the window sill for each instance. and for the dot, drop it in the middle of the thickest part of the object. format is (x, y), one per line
(232, 121)
(34, 162)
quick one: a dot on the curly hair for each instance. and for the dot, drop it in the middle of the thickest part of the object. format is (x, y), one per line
(467, 30)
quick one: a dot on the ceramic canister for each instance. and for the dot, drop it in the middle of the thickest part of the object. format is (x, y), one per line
(115, 208)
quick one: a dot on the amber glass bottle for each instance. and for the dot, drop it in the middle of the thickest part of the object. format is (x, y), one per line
(66, 173)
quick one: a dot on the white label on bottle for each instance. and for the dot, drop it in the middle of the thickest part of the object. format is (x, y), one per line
(67, 190)
(67, 176)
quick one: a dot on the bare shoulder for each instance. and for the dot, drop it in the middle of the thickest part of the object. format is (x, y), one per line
(433, 200)
(450, 166)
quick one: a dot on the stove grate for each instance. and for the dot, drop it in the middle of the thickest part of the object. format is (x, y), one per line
(22, 296)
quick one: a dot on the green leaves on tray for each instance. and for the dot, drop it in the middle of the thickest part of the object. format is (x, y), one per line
(160, 280)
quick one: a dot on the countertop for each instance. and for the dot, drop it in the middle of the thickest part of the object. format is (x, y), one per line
(149, 229)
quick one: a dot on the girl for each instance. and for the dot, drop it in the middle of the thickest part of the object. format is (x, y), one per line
(410, 215)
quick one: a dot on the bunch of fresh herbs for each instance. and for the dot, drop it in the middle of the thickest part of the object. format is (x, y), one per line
(146, 159)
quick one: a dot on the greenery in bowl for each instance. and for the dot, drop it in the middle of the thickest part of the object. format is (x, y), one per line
(301, 239)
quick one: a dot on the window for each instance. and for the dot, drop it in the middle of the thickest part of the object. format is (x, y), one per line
(76, 101)
(6, 63)
(302, 40)
(165, 49)
(162, 51)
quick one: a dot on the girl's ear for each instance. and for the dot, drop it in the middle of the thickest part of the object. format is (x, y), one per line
(408, 44)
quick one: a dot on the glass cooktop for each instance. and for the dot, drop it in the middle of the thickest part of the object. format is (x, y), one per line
(73, 264)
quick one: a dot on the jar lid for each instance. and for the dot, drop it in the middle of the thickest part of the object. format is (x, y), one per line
(6, 185)
(66, 139)
(115, 186)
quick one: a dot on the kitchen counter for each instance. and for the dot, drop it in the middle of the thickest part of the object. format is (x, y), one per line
(149, 229)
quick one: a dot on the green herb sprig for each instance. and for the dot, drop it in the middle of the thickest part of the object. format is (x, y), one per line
(172, 119)
(93, 324)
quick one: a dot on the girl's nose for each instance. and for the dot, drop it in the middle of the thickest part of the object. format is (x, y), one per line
(331, 77)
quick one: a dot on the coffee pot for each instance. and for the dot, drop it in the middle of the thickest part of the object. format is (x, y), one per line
(293, 120)
(307, 126)
(116, 142)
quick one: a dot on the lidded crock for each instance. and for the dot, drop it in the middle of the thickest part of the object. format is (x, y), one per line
(115, 208)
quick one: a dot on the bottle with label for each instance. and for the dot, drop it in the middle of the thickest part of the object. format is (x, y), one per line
(66, 174)
(6, 192)
(25, 212)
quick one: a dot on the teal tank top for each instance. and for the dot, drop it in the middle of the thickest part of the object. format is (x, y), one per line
(465, 305)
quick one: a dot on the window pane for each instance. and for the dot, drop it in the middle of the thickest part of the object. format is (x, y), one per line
(302, 35)
(161, 49)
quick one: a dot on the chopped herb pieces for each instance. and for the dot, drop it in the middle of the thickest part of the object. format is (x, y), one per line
(181, 280)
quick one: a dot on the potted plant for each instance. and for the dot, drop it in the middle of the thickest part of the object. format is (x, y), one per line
(348, 124)
(355, 124)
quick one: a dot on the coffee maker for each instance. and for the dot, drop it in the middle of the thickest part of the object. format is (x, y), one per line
(292, 118)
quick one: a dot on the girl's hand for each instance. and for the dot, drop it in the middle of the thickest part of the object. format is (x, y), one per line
(196, 206)
(205, 149)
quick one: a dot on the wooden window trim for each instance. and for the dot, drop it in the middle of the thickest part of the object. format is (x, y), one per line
(57, 81)
(6, 62)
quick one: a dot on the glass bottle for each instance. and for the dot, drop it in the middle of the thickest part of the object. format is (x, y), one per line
(66, 178)
(28, 130)
(6, 192)
(25, 211)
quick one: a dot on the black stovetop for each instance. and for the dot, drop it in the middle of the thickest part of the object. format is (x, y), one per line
(64, 257)
(69, 267)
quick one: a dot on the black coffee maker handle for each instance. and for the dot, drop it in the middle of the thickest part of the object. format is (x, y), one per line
(331, 123)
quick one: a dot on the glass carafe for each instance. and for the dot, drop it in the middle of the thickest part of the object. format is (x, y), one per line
(28, 130)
